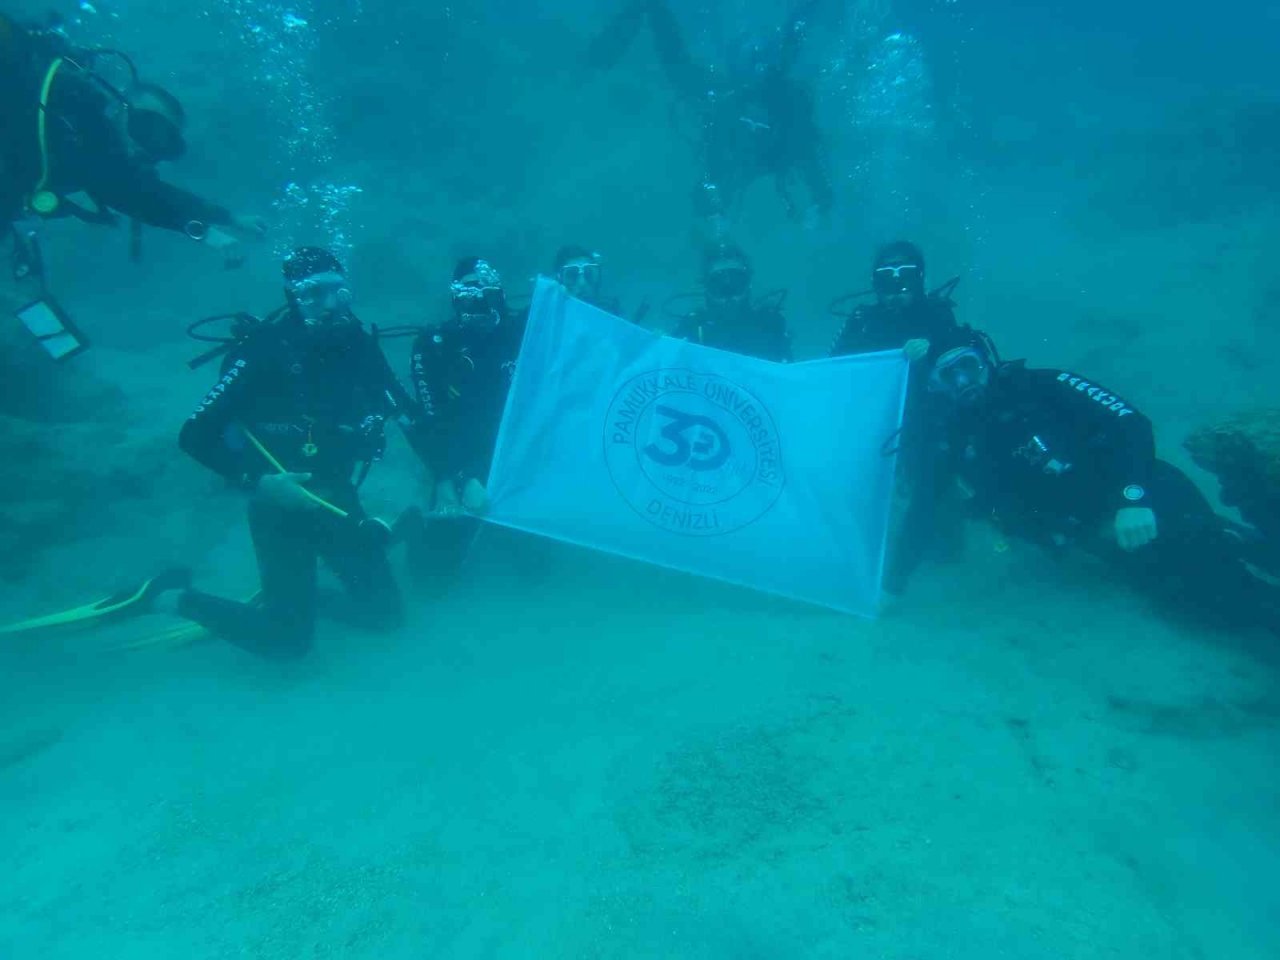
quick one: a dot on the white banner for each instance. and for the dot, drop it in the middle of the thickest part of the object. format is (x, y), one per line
(773, 476)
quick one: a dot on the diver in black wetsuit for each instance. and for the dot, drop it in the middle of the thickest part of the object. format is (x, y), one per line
(461, 371)
(1063, 460)
(730, 319)
(905, 316)
(297, 419)
(756, 118)
(75, 145)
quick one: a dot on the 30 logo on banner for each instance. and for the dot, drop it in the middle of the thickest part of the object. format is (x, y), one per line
(693, 453)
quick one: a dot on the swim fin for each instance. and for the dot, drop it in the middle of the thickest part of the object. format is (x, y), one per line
(172, 637)
(134, 599)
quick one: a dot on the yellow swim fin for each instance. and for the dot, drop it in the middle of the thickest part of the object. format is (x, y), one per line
(133, 599)
(171, 637)
(178, 635)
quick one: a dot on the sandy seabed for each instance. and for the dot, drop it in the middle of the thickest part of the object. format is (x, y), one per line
(575, 758)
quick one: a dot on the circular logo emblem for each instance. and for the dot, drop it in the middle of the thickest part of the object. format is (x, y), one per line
(692, 453)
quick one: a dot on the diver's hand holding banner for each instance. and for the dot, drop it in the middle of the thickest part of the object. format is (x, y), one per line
(773, 476)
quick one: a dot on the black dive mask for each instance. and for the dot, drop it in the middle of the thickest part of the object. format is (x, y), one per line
(485, 310)
(727, 285)
(898, 280)
(478, 297)
(961, 375)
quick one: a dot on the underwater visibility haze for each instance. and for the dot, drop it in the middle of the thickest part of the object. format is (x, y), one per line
(633, 479)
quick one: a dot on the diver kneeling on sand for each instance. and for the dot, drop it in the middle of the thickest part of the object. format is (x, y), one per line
(297, 419)
(1062, 459)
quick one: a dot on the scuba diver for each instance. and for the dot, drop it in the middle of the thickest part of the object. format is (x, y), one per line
(461, 370)
(904, 315)
(755, 118)
(77, 145)
(1060, 459)
(923, 325)
(730, 319)
(297, 420)
(581, 273)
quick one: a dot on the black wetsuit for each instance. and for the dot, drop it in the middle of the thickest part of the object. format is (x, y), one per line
(91, 165)
(758, 121)
(880, 327)
(460, 376)
(765, 128)
(753, 330)
(1053, 456)
(318, 401)
(876, 326)
(930, 518)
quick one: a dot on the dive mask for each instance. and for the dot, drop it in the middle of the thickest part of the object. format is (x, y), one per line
(728, 281)
(479, 294)
(961, 374)
(898, 279)
(322, 297)
(579, 274)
